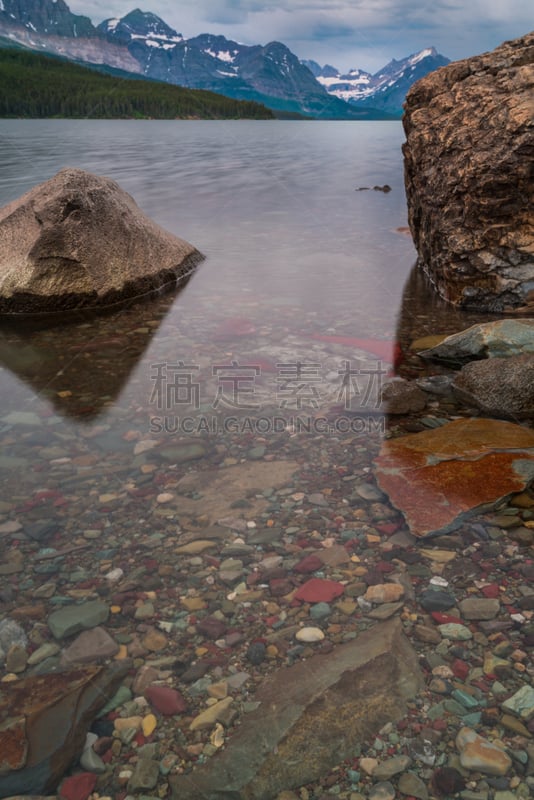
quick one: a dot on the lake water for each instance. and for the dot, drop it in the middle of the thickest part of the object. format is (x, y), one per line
(292, 248)
(126, 436)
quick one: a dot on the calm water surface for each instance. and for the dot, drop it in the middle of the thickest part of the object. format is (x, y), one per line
(301, 266)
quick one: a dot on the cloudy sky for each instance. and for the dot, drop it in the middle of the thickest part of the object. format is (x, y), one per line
(346, 33)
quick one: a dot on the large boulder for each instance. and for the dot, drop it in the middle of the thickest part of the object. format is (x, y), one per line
(79, 241)
(469, 179)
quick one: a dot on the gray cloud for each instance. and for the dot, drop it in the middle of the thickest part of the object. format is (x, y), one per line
(363, 33)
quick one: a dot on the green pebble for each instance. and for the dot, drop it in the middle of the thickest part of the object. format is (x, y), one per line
(121, 696)
(473, 719)
(454, 707)
(465, 699)
(320, 611)
(257, 452)
(455, 631)
(123, 638)
(378, 745)
(103, 555)
(436, 712)
(46, 569)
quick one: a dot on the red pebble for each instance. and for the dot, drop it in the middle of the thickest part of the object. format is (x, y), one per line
(491, 590)
(78, 787)
(443, 619)
(317, 590)
(388, 528)
(308, 564)
(513, 610)
(384, 567)
(460, 669)
(165, 700)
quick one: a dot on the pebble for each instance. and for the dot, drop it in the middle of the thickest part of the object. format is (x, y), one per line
(480, 755)
(46, 650)
(479, 608)
(256, 653)
(319, 590)
(392, 766)
(16, 658)
(521, 703)
(77, 787)
(455, 631)
(145, 775)
(72, 619)
(124, 723)
(384, 593)
(447, 781)
(384, 790)
(412, 785)
(89, 646)
(11, 633)
(309, 635)
(436, 600)
(154, 641)
(322, 610)
(207, 718)
(164, 497)
(149, 725)
(166, 700)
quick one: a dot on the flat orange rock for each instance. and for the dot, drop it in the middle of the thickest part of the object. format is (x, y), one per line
(437, 477)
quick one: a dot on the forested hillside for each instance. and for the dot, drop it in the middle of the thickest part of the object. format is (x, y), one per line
(34, 86)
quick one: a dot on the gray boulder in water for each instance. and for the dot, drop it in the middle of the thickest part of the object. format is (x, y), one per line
(79, 241)
(500, 387)
(501, 339)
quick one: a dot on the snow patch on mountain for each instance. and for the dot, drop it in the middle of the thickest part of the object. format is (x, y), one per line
(389, 85)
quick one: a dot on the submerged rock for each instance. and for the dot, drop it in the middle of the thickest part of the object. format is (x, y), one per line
(480, 755)
(402, 397)
(310, 717)
(501, 339)
(437, 477)
(468, 177)
(500, 387)
(44, 724)
(79, 241)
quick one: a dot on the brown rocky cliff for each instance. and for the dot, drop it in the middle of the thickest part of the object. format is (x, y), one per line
(469, 173)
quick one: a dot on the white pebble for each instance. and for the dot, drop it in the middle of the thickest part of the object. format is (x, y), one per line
(309, 635)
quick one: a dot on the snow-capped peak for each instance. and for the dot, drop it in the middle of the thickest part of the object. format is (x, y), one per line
(427, 53)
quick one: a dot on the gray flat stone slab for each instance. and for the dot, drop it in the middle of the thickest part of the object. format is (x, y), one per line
(310, 717)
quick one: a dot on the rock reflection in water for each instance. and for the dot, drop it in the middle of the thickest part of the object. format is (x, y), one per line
(82, 363)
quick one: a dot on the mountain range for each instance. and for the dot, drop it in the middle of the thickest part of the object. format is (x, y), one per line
(387, 88)
(142, 44)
